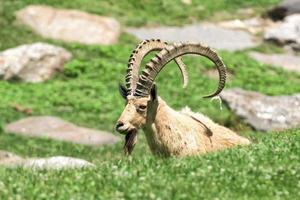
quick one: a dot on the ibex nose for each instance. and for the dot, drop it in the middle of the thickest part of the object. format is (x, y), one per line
(119, 124)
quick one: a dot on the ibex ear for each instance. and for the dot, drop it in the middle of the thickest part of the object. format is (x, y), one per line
(153, 93)
(123, 91)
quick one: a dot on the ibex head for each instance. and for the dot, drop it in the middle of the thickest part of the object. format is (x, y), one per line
(140, 91)
(138, 112)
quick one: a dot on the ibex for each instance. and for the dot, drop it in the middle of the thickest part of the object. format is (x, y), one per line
(168, 132)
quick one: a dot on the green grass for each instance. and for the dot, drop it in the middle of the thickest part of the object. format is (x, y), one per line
(268, 169)
(86, 94)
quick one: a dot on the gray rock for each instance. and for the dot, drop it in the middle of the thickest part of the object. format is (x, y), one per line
(212, 35)
(70, 25)
(286, 32)
(285, 8)
(8, 159)
(33, 62)
(286, 61)
(55, 128)
(56, 163)
(265, 113)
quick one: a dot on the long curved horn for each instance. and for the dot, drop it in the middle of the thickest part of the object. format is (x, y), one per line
(136, 57)
(162, 58)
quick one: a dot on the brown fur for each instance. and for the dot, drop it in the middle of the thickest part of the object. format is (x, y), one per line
(171, 133)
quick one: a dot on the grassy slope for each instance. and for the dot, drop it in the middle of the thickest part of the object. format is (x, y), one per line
(268, 169)
(86, 94)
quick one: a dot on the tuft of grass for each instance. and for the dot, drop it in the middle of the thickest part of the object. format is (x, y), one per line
(268, 48)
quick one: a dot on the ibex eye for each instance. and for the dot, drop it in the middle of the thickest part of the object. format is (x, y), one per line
(142, 107)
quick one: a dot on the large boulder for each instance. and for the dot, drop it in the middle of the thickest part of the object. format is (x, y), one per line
(262, 112)
(286, 61)
(70, 25)
(285, 8)
(286, 32)
(32, 62)
(56, 128)
(214, 36)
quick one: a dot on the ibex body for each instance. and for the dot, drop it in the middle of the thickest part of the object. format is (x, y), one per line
(187, 133)
(168, 132)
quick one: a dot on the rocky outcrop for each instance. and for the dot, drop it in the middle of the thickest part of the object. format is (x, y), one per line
(286, 32)
(286, 61)
(55, 128)
(32, 62)
(70, 25)
(214, 36)
(262, 112)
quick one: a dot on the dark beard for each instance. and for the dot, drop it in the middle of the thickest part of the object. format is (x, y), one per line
(130, 141)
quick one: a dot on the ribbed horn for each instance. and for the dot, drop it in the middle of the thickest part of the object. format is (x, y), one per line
(171, 52)
(135, 60)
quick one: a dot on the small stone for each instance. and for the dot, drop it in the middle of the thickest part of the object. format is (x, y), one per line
(10, 159)
(210, 34)
(56, 163)
(262, 112)
(56, 128)
(286, 61)
(33, 62)
(70, 25)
